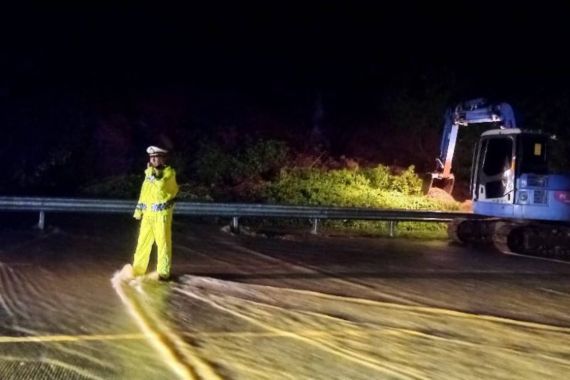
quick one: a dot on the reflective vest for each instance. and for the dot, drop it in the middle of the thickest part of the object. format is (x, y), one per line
(157, 192)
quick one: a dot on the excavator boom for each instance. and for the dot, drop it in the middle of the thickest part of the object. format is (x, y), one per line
(476, 111)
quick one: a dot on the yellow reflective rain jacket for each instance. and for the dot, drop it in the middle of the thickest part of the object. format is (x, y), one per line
(155, 207)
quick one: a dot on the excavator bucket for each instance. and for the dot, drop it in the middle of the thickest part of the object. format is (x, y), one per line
(437, 180)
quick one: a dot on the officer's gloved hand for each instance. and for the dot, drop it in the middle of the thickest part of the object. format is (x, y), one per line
(138, 214)
(150, 173)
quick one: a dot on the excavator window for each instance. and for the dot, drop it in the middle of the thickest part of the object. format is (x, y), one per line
(534, 154)
(498, 156)
(558, 157)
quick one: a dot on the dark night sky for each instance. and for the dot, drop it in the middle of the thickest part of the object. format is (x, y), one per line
(343, 48)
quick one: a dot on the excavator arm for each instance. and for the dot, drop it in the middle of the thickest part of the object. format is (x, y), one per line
(474, 111)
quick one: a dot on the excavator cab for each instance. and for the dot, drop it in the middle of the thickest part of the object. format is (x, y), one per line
(493, 170)
(515, 175)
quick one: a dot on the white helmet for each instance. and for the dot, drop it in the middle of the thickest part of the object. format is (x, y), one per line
(156, 151)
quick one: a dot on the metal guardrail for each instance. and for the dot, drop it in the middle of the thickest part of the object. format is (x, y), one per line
(233, 210)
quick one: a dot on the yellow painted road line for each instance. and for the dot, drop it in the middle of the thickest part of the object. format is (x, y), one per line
(185, 366)
(68, 338)
(262, 334)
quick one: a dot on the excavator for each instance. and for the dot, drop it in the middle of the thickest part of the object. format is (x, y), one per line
(521, 199)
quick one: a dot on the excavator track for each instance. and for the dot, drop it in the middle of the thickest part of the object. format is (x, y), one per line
(471, 231)
(532, 238)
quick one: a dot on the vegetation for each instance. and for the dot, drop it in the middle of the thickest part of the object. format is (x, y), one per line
(266, 172)
(376, 187)
(127, 187)
(240, 173)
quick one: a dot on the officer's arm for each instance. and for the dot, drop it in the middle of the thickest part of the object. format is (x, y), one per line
(140, 205)
(167, 185)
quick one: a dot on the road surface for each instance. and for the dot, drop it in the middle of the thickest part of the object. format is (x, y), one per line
(291, 306)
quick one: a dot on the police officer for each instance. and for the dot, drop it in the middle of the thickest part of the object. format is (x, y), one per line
(154, 209)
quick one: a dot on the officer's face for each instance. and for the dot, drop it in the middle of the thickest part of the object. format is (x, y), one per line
(157, 161)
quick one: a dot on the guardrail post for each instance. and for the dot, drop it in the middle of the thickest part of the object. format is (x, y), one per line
(392, 227)
(42, 220)
(234, 226)
(315, 229)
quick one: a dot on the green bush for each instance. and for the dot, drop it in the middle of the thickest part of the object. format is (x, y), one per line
(382, 178)
(127, 187)
(212, 164)
(423, 230)
(375, 188)
(352, 188)
(258, 160)
(189, 192)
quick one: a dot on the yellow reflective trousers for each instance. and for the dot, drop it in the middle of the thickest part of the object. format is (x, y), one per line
(157, 228)
(155, 208)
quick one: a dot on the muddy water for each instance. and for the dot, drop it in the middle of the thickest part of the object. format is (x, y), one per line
(256, 308)
(60, 317)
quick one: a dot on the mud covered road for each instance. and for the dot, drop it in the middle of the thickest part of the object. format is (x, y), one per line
(293, 306)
